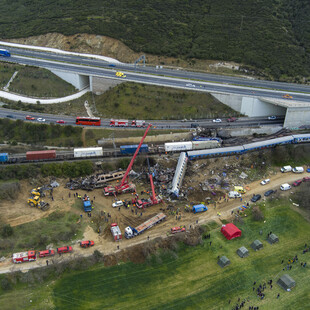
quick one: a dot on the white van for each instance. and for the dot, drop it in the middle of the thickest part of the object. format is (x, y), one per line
(286, 169)
(234, 194)
(116, 204)
(298, 170)
(285, 187)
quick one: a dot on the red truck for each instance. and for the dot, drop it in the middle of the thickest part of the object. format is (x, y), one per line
(24, 257)
(116, 232)
(126, 123)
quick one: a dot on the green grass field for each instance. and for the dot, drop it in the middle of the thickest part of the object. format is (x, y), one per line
(57, 228)
(189, 278)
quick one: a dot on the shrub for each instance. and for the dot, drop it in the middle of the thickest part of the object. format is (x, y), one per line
(7, 231)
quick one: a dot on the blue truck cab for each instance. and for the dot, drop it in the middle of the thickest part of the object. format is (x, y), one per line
(199, 208)
(87, 205)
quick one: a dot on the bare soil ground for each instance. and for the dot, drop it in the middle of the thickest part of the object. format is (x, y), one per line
(19, 212)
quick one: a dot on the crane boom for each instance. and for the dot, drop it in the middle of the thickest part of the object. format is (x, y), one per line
(135, 155)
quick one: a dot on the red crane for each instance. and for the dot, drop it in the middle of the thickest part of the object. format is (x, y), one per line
(125, 186)
(154, 200)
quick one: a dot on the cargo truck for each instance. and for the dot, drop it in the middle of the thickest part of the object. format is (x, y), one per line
(116, 232)
(5, 53)
(131, 232)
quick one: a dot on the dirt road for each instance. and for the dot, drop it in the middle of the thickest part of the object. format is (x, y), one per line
(106, 245)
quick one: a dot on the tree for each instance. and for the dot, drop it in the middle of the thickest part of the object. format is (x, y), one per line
(7, 231)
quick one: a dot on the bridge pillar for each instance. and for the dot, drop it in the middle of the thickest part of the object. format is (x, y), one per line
(77, 80)
(99, 85)
(297, 116)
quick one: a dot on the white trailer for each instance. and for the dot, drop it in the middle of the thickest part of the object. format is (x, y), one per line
(88, 152)
(178, 146)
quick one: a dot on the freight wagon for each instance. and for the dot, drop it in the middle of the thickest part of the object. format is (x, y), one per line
(41, 155)
(130, 149)
(88, 152)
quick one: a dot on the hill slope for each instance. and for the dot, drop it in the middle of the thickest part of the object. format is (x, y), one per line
(272, 35)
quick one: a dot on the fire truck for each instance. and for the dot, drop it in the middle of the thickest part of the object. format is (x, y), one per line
(116, 232)
(126, 123)
(24, 257)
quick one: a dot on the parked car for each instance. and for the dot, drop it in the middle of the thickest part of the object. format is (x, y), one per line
(306, 179)
(272, 117)
(87, 243)
(60, 121)
(64, 249)
(116, 204)
(285, 187)
(30, 118)
(231, 119)
(268, 193)
(308, 169)
(297, 183)
(264, 182)
(40, 119)
(46, 253)
(256, 198)
(218, 120)
(177, 229)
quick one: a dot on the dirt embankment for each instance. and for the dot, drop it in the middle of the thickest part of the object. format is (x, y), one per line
(106, 46)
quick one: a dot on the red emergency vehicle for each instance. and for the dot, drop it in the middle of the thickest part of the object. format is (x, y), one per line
(119, 122)
(24, 257)
(116, 232)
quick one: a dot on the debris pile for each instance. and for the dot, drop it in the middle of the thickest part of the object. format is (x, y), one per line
(95, 181)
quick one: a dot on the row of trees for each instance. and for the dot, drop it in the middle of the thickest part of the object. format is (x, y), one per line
(271, 35)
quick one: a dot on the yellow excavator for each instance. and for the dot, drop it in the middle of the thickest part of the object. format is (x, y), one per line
(35, 201)
(39, 191)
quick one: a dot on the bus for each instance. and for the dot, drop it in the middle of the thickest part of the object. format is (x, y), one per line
(92, 121)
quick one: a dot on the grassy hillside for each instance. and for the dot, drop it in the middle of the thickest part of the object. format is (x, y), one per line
(272, 35)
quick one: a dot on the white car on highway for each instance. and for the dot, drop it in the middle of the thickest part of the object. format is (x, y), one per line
(264, 182)
(117, 204)
(41, 119)
(218, 120)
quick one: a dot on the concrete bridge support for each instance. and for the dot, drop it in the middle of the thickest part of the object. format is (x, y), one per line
(99, 85)
(77, 80)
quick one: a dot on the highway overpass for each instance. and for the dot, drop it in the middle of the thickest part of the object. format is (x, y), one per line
(248, 96)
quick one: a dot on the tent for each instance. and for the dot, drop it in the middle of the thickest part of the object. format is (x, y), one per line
(286, 282)
(273, 239)
(243, 252)
(223, 261)
(256, 245)
(230, 231)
